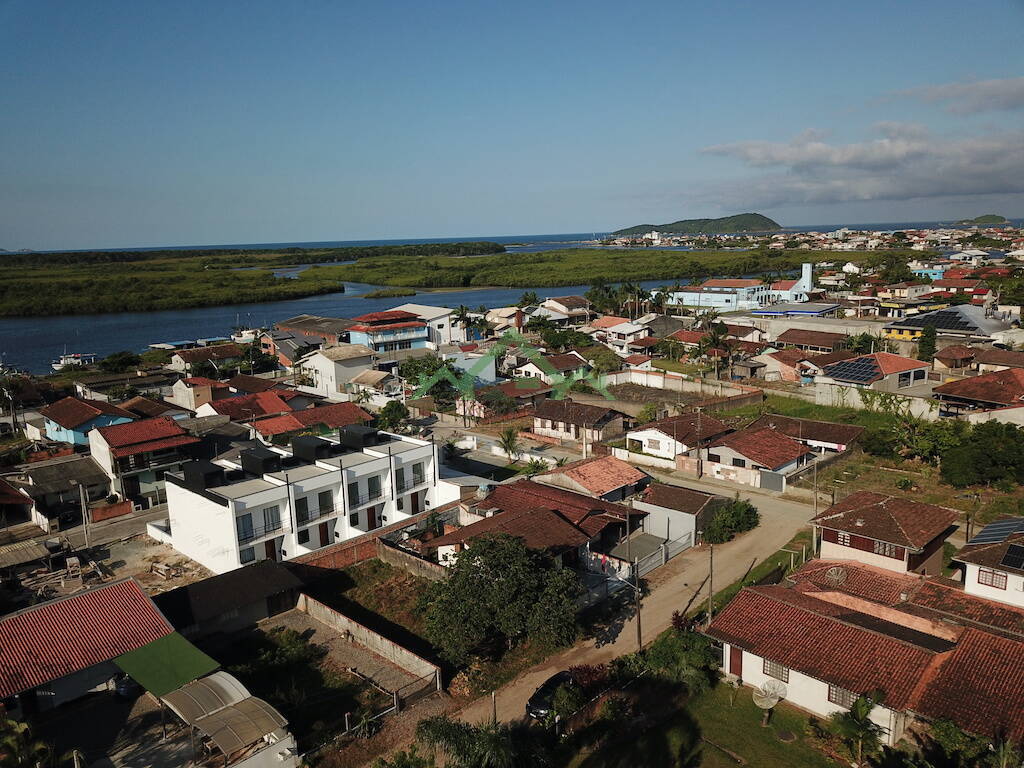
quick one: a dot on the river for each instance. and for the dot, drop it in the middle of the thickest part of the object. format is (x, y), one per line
(32, 343)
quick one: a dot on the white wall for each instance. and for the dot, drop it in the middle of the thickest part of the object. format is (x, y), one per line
(202, 530)
(100, 452)
(667, 523)
(1013, 594)
(812, 694)
(830, 551)
(665, 447)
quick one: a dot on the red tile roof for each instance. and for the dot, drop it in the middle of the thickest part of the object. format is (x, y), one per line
(765, 446)
(726, 282)
(571, 302)
(543, 529)
(73, 412)
(51, 640)
(865, 581)
(811, 636)
(330, 416)
(806, 429)
(992, 356)
(1004, 387)
(570, 412)
(687, 337)
(247, 407)
(783, 285)
(889, 363)
(371, 327)
(590, 514)
(146, 407)
(145, 435)
(788, 357)
(600, 474)
(637, 359)
(955, 352)
(645, 342)
(564, 362)
(899, 521)
(12, 496)
(251, 384)
(203, 381)
(683, 427)
(945, 283)
(386, 316)
(800, 337)
(688, 500)
(607, 321)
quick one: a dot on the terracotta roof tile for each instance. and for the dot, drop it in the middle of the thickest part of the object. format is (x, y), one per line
(248, 407)
(991, 555)
(600, 474)
(216, 352)
(144, 436)
(580, 414)
(250, 384)
(683, 428)
(1004, 387)
(688, 500)
(806, 429)
(764, 446)
(330, 416)
(993, 356)
(956, 352)
(607, 321)
(800, 337)
(51, 640)
(203, 381)
(899, 521)
(73, 412)
(590, 514)
(543, 529)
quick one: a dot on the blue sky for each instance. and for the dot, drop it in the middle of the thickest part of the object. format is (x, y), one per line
(145, 123)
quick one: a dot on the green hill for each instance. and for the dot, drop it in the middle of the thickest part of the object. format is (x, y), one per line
(988, 218)
(742, 222)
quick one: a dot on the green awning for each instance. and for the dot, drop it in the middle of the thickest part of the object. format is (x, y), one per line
(166, 664)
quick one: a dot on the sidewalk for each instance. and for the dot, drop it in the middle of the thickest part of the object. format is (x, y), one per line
(680, 584)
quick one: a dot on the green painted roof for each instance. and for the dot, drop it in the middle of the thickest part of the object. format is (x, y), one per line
(166, 664)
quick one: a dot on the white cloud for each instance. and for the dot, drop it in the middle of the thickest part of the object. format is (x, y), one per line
(906, 162)
(970, 97)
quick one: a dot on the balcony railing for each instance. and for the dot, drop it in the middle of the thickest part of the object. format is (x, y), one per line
(359, 499)
(317, 514)
(408, 485)
(259, 531)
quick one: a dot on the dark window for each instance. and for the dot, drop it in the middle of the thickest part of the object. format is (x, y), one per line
(303, 535)
(841, 696)
(990, 578)
(246, 555)
(886, 549)
(326, 501)
(776, 670)
(739, 463)
(715, 458)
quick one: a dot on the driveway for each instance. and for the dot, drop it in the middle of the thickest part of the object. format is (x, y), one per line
(676, 586)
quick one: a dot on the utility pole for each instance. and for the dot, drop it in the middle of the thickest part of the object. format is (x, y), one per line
(636, 594)
(711, 573)
(83, 495)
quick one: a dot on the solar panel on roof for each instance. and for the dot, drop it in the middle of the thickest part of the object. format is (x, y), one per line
(1014, 557)
(998, 531)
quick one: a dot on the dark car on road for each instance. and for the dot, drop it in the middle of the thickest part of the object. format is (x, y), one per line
(540, 704)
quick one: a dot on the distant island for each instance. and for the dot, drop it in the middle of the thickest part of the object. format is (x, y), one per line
(741, 222)
(988, 218)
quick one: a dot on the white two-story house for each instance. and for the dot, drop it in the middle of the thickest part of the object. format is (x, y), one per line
(279, 503)
(994, 562)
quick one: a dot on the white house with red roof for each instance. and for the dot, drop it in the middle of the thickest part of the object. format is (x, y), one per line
(761, 457)
(195, 391)
(136, 455)
(603, 477)
(793, 290)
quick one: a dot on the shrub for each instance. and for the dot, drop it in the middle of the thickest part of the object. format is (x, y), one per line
(735, 517)
(590, 677)
(904, 483)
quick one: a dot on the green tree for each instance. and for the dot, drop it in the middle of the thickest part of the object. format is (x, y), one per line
(649, 412)
(496, 401)
(529, 298)
(926, 343)
(498, 593)
(735, 517)
(540, 324)
(392, 416)
(857, 729)
(122, 392)
(483, 745)
(417, 371)
(604, 360)
(535, 467)
(404, 759)
(508, 441)
(19, 748)
(683, 657)
(119, 362)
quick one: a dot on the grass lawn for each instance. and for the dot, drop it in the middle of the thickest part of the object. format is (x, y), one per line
(708, 732)
(676, 366)
(737, 727)
(801, 409)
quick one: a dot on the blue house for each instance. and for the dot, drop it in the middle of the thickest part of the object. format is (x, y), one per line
(69, 420)
(389, 331)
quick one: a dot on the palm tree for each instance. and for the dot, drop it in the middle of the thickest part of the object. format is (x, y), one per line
(18, 748)
(540, 323)
(461, 315)
(483, 745)
(857, 729)
(713, 342)
(535, 467)
(706, 319)
(508, 441)
(528, 298)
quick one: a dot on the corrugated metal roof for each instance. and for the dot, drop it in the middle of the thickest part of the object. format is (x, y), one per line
(54, 639)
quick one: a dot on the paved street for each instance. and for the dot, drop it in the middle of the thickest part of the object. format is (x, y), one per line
(674, 587)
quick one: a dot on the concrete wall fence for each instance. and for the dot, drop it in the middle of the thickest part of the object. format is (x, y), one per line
(355, 550)
(417, 566)
(388, 649)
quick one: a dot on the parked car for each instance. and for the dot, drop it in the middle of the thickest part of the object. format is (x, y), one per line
(540, 704)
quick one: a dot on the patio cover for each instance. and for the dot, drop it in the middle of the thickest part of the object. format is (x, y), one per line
(206, 696)
(166, 664)
(23, 552)
(239, 725)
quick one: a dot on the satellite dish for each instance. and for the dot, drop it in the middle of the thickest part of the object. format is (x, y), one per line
(767, 695)
(835, 575)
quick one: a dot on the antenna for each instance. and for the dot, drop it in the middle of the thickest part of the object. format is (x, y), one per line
(767, 695)
(836, 575)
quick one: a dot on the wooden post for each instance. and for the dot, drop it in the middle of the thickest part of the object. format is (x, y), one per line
(636, 592)
(711, 572)
(494, 707)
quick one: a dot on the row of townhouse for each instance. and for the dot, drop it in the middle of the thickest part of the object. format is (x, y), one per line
(873, 615)
(278, 503)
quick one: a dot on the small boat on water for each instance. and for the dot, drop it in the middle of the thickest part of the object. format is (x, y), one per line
(74, 359)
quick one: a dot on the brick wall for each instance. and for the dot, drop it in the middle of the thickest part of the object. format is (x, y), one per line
(108, 511)
(353, 551)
